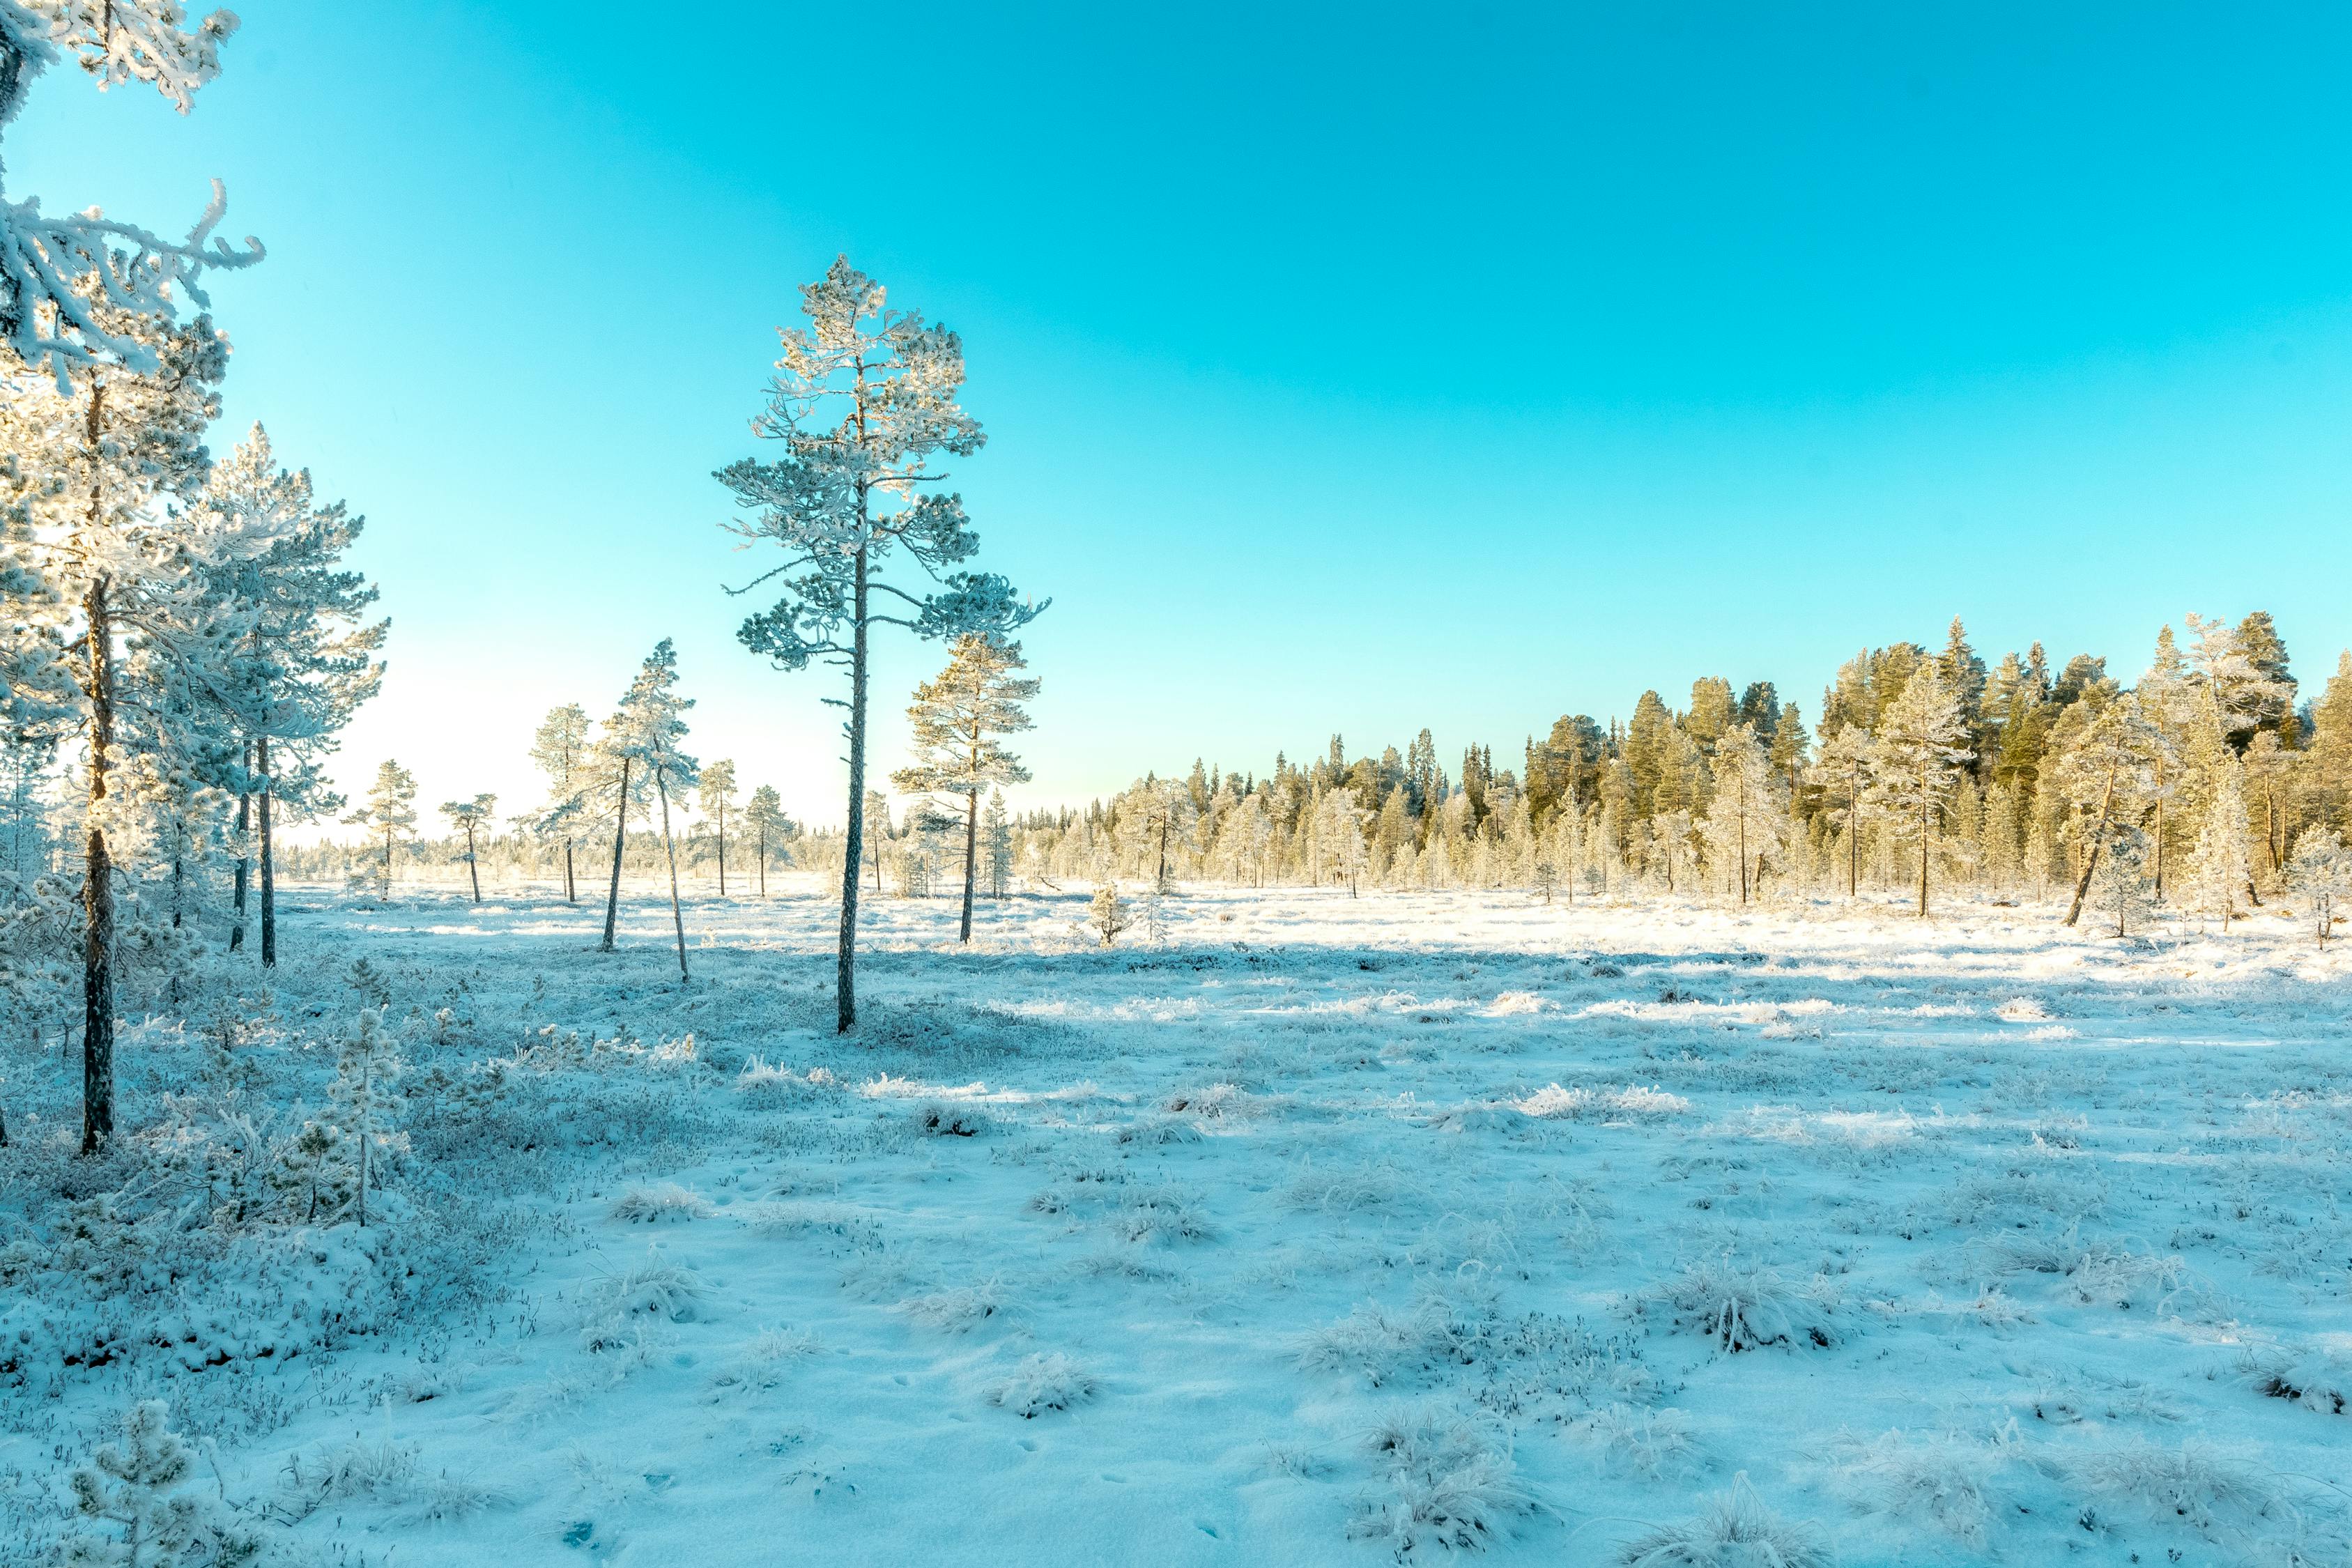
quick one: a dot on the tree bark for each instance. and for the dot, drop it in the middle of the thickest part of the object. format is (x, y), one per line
(244, 861)
(473, 864)
(2098, 841)
(763, 860)
(971, 857)
(571, 888)
(97, 879)
(1853, 835)
(269, 858)
(1926, 843)
(845, 962)
(669, 849)
(620, 837)
(722, 849)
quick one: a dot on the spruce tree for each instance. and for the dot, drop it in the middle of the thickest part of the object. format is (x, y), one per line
(863, 401)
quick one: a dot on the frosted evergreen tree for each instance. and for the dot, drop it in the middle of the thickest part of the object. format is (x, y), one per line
(561, 751)
(367, 1068)
(390, 814)
(134, 1488)
(1843, 773)
(103, 565)
(957, 720)
(1339, 836)
(471, 818)
(1109, 913)
(996, 846)
(2221, 865)
(716, 796)
(2319, 874)
(764, 813)
(2120, 887)
(1745, 820)
(75, 288)
(2108, 778)
(645, 735)
(303, 656)
(1916, 761)
(863, 404)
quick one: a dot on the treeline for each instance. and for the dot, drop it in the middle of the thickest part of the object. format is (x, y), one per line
(2197, 784)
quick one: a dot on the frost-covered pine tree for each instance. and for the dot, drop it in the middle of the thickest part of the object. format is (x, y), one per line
(996, 846)
(2120, 887)
(645, 735)
(2221, 863)
(863, 404)
(302, 655)
(96, 466)
(2319, 873)
(1916, 761)
(957, 720)
(74, 287)
(764, 813)
(367, 1069)
(1109, 913)
(471, 818)
(561, 751)
(389, 814)
(1339, 836)
(716, 796)
(133, 1489)
(1843, 773)
(2108, 779)
(1747, 813)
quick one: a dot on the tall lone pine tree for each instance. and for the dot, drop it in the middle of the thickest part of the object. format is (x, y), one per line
(864, 398)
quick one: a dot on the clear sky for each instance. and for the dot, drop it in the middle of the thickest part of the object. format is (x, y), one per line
(1362, 369)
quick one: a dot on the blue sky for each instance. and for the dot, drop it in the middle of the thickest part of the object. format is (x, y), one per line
(1360, 369)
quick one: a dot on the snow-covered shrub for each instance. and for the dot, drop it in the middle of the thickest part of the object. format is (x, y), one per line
(958, 1309)
(2310, 1376)
(1161, 1213)
(1443, 1479)
(760, 1362)
(1050, 1381)
(663, 1204)
(2192, 1483)
(1655, 1444)
(1743, 1306)
(327, 1169)
(941, 1118)
(779, 1085)
(1735, 1530)
(655, 1288)
(1217, 1102)
(2098, 1272)
(1373, 1184)
(341, 1472)
(131, 1493)
(1947, 1479)
(1630, 1102)
(1150, 1130)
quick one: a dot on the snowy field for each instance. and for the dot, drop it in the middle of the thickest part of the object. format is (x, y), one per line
(1329, 1231)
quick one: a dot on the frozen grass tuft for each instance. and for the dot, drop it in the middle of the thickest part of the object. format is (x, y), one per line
(779, 1085)
(1631, 1103)
(1653, 1444)
(1744, 1306)
(665, 1204)
(1162, 1213)
(942, 1119)
(1445, 1479)
(762, 1362)
(2308, 1375)
(382, 1471)
(1735, 1530)
(958, 1309)
(1948, 1480)
(1051, 1381)
(667, 1291)
(2191, 1484)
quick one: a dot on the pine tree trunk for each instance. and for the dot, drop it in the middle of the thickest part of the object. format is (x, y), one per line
(1853, 837)
(571, 889)
(846, 962)
(473, 864)
(971, 857)
(620, 837)
(763, 860)
(264, 809)
(2159, 826)
(244, 861)
(669, 849)
(97, 879)
(1926, 844)
(722, 851)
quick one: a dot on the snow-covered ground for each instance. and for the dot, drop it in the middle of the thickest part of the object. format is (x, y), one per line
(1328, 1230)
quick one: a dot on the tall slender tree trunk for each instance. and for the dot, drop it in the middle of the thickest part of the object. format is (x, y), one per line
(669, 849)
(620, 837)
(2159, 825)
(244, 860)
(722, 851)
(971, 857)
(263, 807)
(98, 877)
(763, 860)
(1743, 840)
(473, 864)
(1926, 843)
(845, 962)
(571, 888)
(1853, 836)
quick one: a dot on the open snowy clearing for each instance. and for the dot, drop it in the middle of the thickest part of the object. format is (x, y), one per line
(1328, 1231)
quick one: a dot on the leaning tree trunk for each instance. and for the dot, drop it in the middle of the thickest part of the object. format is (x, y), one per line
(620, 837)
(2098, 840)
(845, 962)
(269, 860)
(98, 879)
(669, 849)
(971, 857)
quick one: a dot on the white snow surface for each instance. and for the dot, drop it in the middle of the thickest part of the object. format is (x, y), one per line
(1331, 1231)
